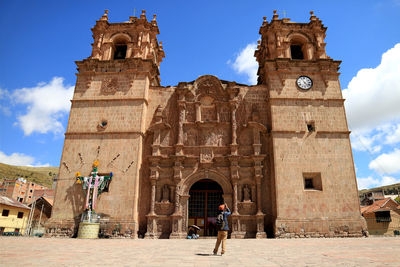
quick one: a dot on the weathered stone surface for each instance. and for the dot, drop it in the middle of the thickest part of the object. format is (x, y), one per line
(263, 144)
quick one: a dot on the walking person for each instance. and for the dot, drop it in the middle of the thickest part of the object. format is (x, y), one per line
(223, 227)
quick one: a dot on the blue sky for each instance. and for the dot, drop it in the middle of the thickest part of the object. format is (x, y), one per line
(42, 39)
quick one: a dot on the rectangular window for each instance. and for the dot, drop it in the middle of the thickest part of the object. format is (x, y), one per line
(312, 181)
(383, 216)
(20, 215)
(5, 213)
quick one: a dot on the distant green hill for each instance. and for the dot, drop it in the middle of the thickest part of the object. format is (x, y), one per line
(393, 189)
(39, 175)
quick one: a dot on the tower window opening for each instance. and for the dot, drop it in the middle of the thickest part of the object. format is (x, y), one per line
(311, 126)
(308, 183)
(312, 181)
(120, 51)
(296, 51)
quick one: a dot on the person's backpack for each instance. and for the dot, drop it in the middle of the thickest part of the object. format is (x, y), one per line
(220, 221)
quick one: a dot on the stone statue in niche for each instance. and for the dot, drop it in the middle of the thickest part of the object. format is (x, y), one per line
(191, 137)
(165, 193)
(246, 193)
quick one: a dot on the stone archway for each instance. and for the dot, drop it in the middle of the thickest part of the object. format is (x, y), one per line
(205, 197)
(208, 174)
(221, 179)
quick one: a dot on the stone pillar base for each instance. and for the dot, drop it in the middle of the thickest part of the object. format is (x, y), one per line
(260, 235)
(178, 235)
(238, 235)
(88, 230)
(151, 236)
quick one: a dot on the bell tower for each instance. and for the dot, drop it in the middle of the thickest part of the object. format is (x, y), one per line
(107, 123)
(312, 166)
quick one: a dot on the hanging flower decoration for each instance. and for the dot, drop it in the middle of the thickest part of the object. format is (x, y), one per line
(77, 174)
(96, 163)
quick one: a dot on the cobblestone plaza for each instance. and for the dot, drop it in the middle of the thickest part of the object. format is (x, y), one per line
(22, 251)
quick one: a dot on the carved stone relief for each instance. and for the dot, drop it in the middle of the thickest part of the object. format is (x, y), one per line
(213, 137)
(206, 155)
(109, 86)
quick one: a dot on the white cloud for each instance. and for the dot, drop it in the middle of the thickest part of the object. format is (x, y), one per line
(388, 180)
(386, 163)
(372, 96)
(46, 103)
(17, 159)
(365, 142)
(393, 135)
(365, 183)
(370, 182)
(245, 63)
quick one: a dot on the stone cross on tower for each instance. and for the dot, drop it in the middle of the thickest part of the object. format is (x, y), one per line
(93, 186)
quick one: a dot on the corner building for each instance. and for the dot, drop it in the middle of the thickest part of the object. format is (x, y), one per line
(278, 153)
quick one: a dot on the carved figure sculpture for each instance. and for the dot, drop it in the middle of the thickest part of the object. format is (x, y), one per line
(165, 193)
(246, 193)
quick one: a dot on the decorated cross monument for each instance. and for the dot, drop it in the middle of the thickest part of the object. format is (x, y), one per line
(93, 185)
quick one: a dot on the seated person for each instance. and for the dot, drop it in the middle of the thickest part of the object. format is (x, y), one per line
(192, 234)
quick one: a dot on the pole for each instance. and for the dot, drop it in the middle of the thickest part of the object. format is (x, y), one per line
(28, 229)
(41, 211)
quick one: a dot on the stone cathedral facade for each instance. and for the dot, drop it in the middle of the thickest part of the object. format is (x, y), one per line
(278, 153)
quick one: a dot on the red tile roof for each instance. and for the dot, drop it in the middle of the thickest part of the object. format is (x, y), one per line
(11, 202)
(380, 205)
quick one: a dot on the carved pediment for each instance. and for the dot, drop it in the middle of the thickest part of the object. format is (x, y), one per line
(209, 85)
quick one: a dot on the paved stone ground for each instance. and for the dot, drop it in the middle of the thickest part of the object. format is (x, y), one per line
(24, 251)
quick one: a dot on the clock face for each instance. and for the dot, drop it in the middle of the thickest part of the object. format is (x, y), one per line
(304, 82)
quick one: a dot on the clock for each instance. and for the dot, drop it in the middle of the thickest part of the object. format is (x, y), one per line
(304, 82)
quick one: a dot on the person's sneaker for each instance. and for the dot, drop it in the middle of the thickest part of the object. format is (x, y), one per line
(222, 253)
(214, 253)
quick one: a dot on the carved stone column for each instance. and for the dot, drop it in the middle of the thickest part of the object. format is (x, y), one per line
(235, 179)
(182, 112)
(233, 105)
(129, 50)
(260, 215)
(177, 221)
(198, 112)
(177, 218)
(258, 181)
(235, 197)
(107, 51)
(153, 197)
(152, 216)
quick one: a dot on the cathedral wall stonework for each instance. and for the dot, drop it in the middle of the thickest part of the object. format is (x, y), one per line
(279, 150)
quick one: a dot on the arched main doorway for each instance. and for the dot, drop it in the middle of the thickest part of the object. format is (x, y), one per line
(205, 197)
